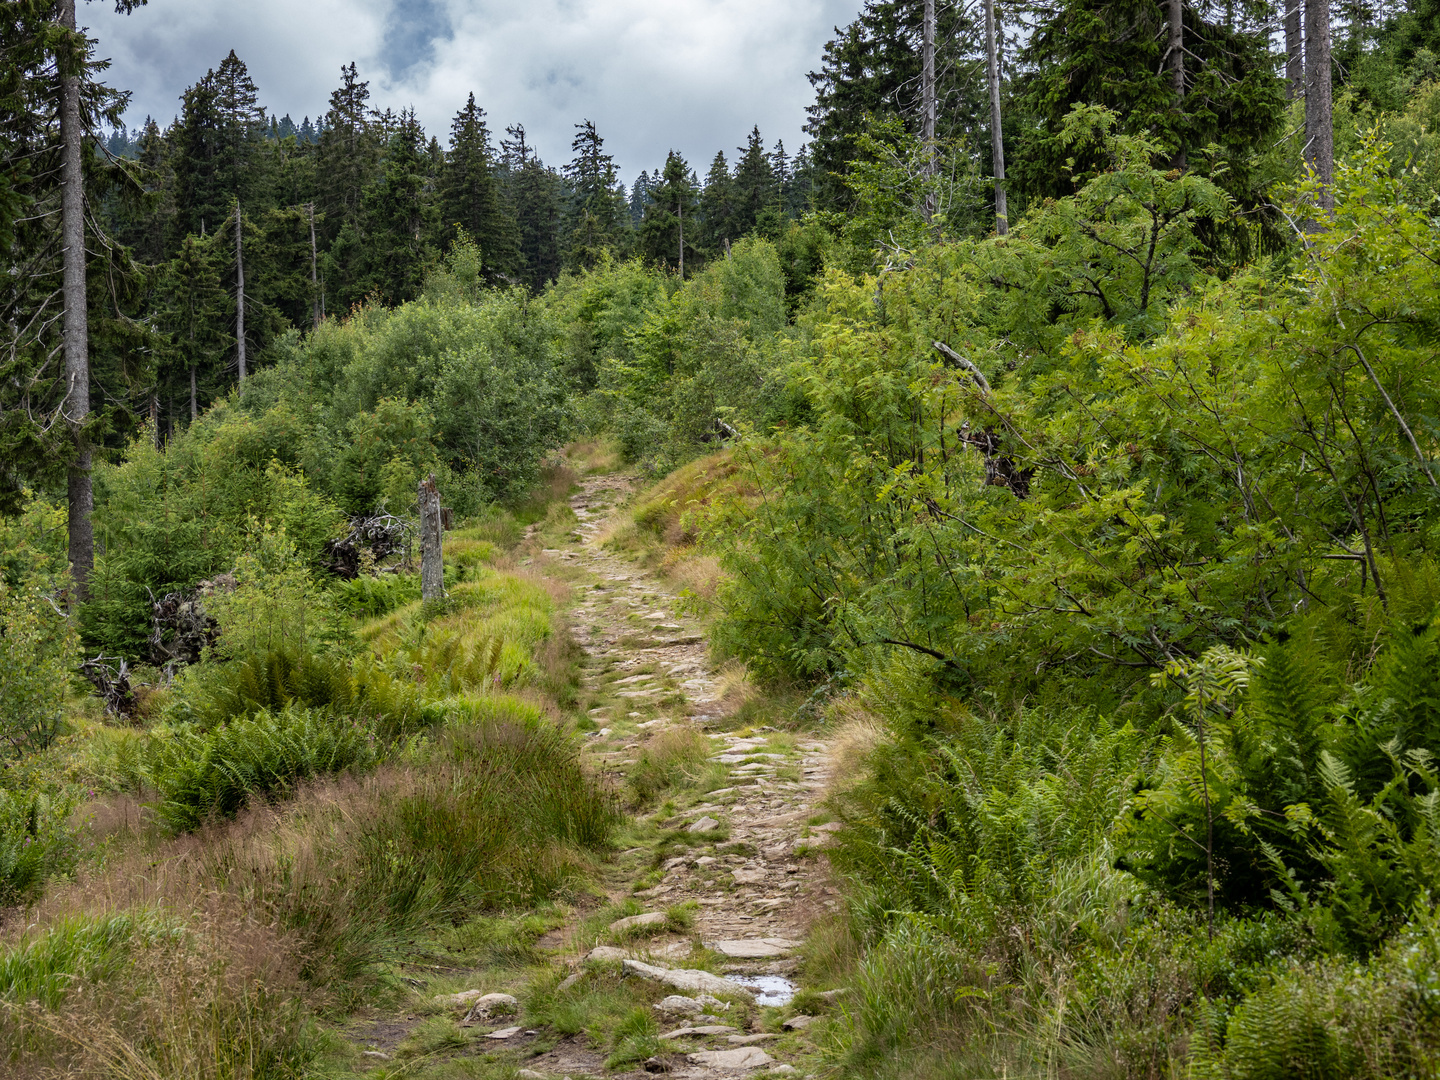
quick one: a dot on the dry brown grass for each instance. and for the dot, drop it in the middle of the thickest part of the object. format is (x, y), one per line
(855, 734)
(592, 456)
(698, 575)
(734, 687)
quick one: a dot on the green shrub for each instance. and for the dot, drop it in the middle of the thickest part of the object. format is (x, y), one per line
(201, 775)
(35, 844)
(37, 649)
(367, 597)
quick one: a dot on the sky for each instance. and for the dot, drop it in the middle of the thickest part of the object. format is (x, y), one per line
(654, 75)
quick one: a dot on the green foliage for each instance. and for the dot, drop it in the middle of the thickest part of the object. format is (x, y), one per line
(368, 597)
(202, 775)
(36, 844)
(37, 654)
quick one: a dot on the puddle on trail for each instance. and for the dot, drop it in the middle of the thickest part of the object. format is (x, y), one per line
(772, 989)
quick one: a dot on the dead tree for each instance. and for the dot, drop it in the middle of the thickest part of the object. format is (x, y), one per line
(928, 104)
(239, 297)
(80, 494)
(1319, 119)
(997, 132)
(432, 566)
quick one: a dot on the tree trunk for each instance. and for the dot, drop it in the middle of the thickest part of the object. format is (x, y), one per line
(155, 421)
(432, 566)
(1319, 130)
(928, 103)
(314, 272)
(997, 133)
(680, 216)
(239, 296)
(1294, 52)
(1176, 50)
(194, 405)
(76, 328)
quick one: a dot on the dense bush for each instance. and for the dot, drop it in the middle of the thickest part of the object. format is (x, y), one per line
(36, 843)
(37, 654)
(200, 775)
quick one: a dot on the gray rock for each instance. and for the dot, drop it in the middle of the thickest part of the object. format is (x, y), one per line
(380, 1054)
(650, 918)
(569, 981)
(688, 979)
(703, 1029)
(675, 1003)
(831, 996)
(604, 954)
(748, 1040)
(464, 997)
(750, 877)
(705, 824)
(745, 1057)
(781, 1070)
(753, 948)
(530, 1074)
(799, 1023)
(504, 1033)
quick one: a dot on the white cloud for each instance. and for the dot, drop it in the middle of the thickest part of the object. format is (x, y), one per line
(692, 75)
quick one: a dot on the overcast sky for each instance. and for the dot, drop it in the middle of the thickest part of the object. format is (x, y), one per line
(692, 75)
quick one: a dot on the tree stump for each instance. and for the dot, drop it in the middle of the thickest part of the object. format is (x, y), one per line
(432, 567)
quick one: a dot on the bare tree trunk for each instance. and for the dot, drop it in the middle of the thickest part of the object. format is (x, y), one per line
(239, 296)
(314, 271)
(1294, 52)
(1319, 129)
(155, 421)
(1176, 51)
(194, 405)
(680, 215)
(76, 328)
(432, 565)
(997, 133)
(928, 103)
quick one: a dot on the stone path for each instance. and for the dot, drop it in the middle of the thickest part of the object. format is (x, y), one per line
(748, 861)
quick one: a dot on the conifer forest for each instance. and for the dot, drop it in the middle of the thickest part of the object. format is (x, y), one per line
(957, 598)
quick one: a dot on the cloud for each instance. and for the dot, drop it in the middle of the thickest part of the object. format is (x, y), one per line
(654, 75)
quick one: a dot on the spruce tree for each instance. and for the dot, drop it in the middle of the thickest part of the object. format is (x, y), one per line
(349, 152)
(717, 208)
(534, 199)
(670, 227)
(471, 198)
(598, 213)
(754, 188)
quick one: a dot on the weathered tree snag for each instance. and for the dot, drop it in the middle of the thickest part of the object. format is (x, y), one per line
(80, 495)
(928, 103)
(1319, 118)
(1176, 52)
(997, 133)
(1294, 52)
(432, 568)
(314, 271)
(239, 297)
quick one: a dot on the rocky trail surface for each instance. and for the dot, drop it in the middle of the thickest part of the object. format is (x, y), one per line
(748, 870)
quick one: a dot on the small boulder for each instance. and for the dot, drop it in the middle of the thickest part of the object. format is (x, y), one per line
(569, 981)
(605, 954)
(504, 1033)
(745, 1057)
(799, 1023)
(688, 979)
(703, 1029)
(748, 1040)
(492, 1005)
(705, 824)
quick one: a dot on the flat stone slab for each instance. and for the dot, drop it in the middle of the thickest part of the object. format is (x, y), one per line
(747, 1057)
(753, 948)
(703, 1029)
(750, 877)
(504, 1033)
(799, 1023)
(675, 1003)
(705, 824)
(688, 979)
(750, 1040)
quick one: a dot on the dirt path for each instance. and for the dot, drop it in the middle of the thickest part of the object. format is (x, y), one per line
(746, 855)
